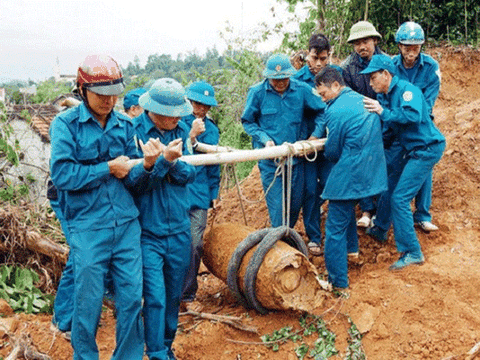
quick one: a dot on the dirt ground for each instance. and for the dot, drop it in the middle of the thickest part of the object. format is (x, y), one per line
(424, 312)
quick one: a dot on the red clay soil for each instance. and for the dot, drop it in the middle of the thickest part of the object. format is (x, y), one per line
(423, 312)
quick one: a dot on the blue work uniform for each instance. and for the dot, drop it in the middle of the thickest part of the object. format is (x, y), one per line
(63, 304)
(425, 75)
(163, 204)
(104, 233)
(354, 145)
(316, 172)
(419, 146)
(352, 66)
(201, 194)
(269, 115)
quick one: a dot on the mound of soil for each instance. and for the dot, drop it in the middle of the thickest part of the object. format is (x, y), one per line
(425, 312)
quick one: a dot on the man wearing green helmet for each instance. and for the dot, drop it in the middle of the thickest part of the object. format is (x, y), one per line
(364, 39)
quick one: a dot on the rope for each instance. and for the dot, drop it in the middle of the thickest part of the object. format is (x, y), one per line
(266, 239)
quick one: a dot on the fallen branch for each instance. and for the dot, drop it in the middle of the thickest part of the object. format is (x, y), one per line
(474, 352)
(229, 320)
(36, 242)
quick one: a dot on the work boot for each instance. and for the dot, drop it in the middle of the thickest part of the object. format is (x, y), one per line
(377, 233)
(426, 226)
(407, 258)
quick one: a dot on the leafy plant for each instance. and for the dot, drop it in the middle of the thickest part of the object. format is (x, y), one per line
(17, 288)
(323, 347)
(355, 349)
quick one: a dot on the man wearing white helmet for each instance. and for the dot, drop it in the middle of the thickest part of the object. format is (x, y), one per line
(90, 148)
(163, 204)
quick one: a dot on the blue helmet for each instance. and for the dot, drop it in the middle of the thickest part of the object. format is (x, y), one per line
(131, 98)
(410, 33)
(202, 92)
(279, 67)
(166, 97)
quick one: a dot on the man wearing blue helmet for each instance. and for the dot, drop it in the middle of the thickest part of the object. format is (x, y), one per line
(130, 102)
(203, 192)
(273, 115)
(163, 204)
(422, 71)
(403, 109)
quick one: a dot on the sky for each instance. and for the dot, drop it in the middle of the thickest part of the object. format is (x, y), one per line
(34, 33)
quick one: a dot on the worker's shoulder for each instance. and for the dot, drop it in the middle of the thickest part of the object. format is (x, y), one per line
(123, 118)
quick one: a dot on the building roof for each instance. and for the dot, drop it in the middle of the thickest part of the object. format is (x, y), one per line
(41, 116)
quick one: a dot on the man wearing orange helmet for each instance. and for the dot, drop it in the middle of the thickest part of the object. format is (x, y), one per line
(90, 147)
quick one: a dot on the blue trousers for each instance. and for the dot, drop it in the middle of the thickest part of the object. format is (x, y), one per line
(312, 201)
(96, 252)
(63, 305)
(341, 239)
(418, 166)
(423, 201)
(165, 262)
(274, 195)
(198, 219)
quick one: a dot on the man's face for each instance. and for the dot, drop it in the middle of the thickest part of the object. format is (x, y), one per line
(101, 105)
(316, 61)
(280, 85)
(410, 54)
(164, 122)
(328, 92)
(365, 47)
(135, 111)
(199, 110)
(380, 81)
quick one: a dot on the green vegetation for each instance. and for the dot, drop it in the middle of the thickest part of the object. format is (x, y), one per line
(17, 288)
(322, 348)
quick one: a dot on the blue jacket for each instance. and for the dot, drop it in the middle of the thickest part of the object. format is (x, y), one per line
(207, 179)
(271, 116)
(360, 83)
(425, 75)
(80, 149)
(354, 144)
(407, 114)
(163, 198)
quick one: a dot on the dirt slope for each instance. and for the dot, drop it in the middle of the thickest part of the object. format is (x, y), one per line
(426, 312)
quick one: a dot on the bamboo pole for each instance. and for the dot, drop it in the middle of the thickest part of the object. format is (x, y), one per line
(230, 156)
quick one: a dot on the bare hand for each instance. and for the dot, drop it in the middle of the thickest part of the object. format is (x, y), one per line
(119, 167)
(373, 105)
(198, 127)
(173, 150)
(216, 204)
(151, 151)
(269, 143)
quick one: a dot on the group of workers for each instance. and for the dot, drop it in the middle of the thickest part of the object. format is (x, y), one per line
(134, 213)
(381, 142)
(134, 228)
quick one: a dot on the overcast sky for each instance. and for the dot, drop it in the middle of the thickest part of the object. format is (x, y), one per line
(34, 33)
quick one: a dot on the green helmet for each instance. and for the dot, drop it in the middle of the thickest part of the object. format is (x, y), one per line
(362, 30)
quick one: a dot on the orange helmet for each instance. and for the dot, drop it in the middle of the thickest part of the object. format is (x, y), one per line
(101, 75)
